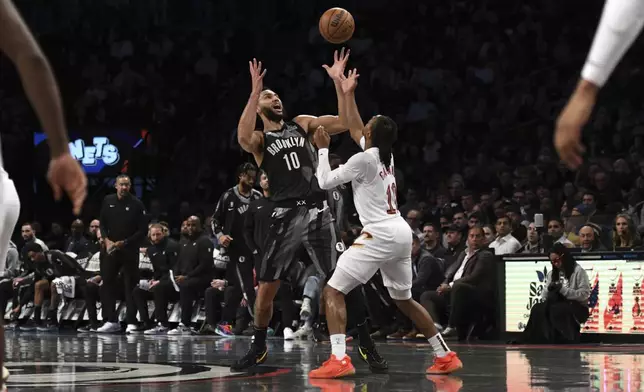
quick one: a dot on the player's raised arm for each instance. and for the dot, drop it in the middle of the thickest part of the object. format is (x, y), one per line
(332, 124)
(620, 24)
(354, 121)
(328, 179)
(65, 174)
(248, 139)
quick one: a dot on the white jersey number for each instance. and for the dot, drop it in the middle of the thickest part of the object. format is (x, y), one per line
(391, 199)
(292, 161)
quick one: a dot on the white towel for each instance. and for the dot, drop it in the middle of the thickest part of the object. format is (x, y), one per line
(66, 286)
(173, 281)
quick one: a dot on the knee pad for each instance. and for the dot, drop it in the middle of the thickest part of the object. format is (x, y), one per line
(399, 295)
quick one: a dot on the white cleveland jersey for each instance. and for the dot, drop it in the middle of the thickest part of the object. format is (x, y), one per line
(374, 186)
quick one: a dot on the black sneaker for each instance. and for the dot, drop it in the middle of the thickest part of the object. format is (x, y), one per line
(255, 356)
(371, 356)
(320, 333)
(29, 326)
(49, 326)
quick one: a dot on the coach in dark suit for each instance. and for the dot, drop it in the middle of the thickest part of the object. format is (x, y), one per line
(468, 288)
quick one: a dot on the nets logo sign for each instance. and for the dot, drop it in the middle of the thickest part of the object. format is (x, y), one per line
(89, 155)
(104, 152)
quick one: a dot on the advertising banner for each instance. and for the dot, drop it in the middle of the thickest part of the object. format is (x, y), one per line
(615, 301)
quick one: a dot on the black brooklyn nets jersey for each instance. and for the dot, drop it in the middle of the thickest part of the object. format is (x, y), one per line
(289, 162)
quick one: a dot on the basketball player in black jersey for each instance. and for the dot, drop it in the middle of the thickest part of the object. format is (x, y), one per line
(301, 215)
(64, 174)
(228, 226)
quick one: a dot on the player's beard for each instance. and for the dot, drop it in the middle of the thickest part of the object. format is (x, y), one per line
(270, 114)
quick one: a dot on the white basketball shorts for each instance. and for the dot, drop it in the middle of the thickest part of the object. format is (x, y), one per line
(9, 213)
(384, 246)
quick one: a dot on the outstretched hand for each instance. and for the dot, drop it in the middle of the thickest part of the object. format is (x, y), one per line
(350, 82)
(336, 71)
(256, 76)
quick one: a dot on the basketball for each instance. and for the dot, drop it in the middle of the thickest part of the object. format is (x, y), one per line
(337, 25)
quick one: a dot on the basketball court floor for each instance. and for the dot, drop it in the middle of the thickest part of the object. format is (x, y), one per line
(70, 362)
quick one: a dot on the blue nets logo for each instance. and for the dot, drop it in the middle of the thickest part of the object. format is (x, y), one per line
(90, 155)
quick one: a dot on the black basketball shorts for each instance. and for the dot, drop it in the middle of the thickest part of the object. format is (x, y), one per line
(300, 225)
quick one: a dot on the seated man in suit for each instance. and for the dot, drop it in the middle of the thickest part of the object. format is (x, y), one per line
(468, 288)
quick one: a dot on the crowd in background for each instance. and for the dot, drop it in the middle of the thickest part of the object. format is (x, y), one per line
(473, 86)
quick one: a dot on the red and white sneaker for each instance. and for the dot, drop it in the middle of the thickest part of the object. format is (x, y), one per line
(334, 368)
(445, 365)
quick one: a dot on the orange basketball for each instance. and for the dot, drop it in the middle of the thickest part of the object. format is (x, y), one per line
(337, 25)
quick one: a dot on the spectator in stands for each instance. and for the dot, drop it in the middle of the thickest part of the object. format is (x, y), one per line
(123, 227)
(455, 244)
(432, 240)
(413, 220)
(459, 220)
(625, 234)
(467, 202)
(490, 234)
(589, 236)
(29, 236)
(77, 243)
(532, 244)
(163, 254)
(565, 306)
(188, 281)
(505, 243)
(556, 231)
(466, 292)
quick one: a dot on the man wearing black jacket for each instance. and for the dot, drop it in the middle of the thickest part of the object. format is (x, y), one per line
(163, 254)
(77, 243)
(189, 278)
(228, 226)
(123, 227)
(47, 266)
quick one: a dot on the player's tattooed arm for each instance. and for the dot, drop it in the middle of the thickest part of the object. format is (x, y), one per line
(17, 42)
(332, 124)
(248, 139)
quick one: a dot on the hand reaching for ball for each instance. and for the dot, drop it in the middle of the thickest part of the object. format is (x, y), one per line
(336, 71)
(256, 76)
(350, 82)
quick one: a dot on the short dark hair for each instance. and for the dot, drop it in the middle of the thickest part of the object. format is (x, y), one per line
(504, 217)
(32, 247)
(245, 168)
(123, 175)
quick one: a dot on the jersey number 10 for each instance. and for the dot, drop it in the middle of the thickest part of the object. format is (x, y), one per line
(391, 199)
(292, 161)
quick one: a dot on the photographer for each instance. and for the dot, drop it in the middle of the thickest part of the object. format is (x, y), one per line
(123, 227)
(558, 319)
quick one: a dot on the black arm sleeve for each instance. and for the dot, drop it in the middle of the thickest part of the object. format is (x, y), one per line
(249, 230)
(206, 263)
(142, 226)
(219, 218)
(103, 219)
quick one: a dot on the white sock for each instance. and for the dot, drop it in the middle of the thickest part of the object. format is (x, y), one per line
(308, 324)
(339, 345)
(306, 300)
(439, 345)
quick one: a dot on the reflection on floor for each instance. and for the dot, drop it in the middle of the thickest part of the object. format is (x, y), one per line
(41, 362)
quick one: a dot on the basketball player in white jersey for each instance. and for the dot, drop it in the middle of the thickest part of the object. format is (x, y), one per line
(620, 24)
(385, 243)
(65, 174)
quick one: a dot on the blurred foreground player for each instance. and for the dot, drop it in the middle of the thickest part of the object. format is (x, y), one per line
(620, 24)
(300, 215)
(385, 243)
(64, 174)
